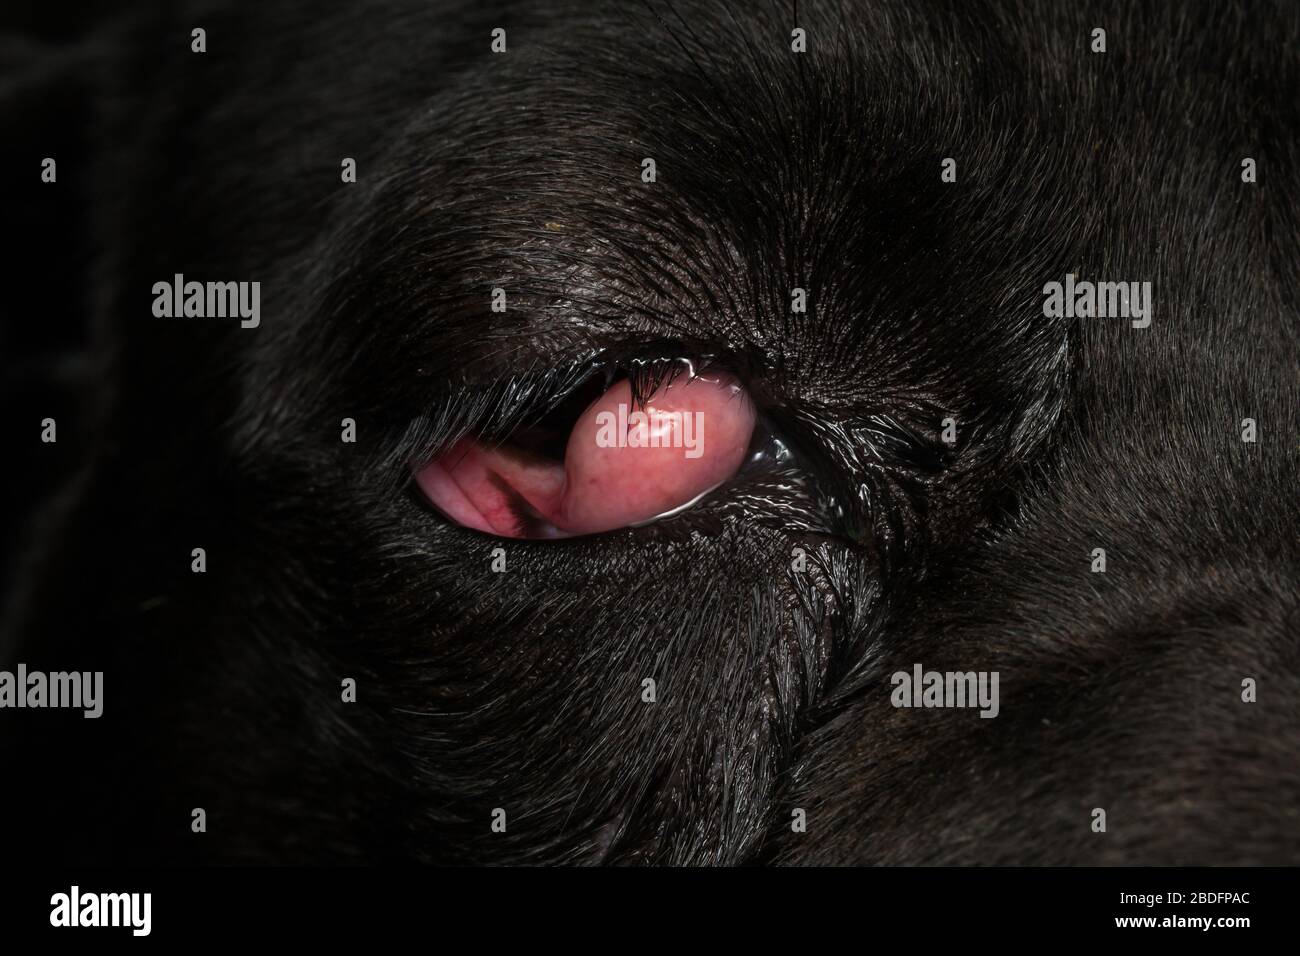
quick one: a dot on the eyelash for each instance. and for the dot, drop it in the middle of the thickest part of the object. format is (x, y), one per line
(520, 405)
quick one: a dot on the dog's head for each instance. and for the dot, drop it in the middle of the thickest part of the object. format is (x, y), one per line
(853, 216)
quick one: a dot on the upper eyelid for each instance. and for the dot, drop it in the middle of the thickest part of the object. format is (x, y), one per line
(646, 366)
(494, 410)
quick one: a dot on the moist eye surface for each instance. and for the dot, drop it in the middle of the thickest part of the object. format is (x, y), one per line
(623, 462)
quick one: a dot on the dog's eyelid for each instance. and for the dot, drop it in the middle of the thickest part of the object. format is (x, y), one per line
(646, 367)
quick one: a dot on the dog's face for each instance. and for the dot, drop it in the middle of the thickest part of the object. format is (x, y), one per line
(934, 460)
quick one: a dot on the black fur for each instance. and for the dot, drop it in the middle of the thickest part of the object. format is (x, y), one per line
(522, 690)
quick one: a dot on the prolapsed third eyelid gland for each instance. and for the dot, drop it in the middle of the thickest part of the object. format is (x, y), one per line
(623, 465)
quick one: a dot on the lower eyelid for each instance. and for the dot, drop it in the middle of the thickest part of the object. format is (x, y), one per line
(673, 512)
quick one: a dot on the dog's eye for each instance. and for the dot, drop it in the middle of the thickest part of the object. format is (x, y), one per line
(621, 462)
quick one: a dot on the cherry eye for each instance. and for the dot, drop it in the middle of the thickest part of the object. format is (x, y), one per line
(623, 464)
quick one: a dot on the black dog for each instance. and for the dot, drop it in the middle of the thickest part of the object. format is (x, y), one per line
(718, 686)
